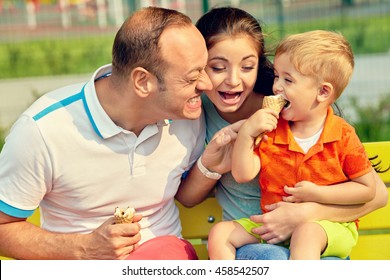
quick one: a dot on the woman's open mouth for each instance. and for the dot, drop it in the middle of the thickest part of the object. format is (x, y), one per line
(230, 97)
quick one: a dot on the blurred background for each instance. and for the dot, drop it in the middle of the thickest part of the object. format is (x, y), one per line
(46, 44)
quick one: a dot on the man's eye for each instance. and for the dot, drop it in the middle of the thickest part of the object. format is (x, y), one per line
(193, 80)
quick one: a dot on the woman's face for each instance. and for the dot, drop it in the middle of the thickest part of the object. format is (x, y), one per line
(232, 68)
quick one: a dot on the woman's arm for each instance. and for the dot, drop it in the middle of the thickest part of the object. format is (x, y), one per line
(279, 223)
(217, 158)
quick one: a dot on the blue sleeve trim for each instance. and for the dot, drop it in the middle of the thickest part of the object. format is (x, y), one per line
(15, 212)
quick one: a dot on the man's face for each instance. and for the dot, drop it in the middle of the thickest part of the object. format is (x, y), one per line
(185, 53)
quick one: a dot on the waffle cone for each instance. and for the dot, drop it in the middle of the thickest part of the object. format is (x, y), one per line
(123, 216)
(275, 102)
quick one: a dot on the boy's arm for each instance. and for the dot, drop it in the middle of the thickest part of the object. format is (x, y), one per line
(284, 217)
(359, 190)
(245, 162)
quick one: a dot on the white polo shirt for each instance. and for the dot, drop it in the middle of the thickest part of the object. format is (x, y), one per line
(65, 155)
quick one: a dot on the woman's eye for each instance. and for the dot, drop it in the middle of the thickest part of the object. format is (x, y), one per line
(217, 69)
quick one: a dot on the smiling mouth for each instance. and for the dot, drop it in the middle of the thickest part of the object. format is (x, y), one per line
(229, 96)
(194, 100)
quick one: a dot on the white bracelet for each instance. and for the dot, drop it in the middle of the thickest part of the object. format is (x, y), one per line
(209, 174)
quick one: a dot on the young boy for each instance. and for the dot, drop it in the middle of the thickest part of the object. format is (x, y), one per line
(309, 155)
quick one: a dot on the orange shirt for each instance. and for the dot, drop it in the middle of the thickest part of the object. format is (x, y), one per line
(337, 157)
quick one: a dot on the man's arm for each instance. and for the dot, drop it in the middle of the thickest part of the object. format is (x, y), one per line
(279, 223)
(27, 241)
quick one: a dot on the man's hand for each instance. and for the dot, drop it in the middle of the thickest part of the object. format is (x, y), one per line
(113, 241)
(217, 155)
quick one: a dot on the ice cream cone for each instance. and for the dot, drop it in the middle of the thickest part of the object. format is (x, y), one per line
(275, 102)
(123, 216)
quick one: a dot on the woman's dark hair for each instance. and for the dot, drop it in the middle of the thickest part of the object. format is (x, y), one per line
(222, 22)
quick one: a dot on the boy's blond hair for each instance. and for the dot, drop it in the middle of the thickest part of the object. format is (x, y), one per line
(325, 55)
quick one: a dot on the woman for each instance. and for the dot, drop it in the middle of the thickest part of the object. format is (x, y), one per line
(241, 76)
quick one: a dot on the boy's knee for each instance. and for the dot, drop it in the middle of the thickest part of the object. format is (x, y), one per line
(220, 228)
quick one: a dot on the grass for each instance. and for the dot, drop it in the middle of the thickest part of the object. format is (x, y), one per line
(365, 34)
(372, 122)
(83, 55)
(54, 57)
(2, 137)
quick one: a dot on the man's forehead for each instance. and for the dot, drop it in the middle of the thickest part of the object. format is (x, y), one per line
(182, 45)
(186, 35)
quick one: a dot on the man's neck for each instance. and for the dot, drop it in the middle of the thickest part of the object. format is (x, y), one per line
(124, 108)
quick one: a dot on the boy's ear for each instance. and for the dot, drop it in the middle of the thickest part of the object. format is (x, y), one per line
(326, 92)
(143, 81)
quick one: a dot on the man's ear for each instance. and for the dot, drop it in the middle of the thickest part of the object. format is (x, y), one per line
(326, 92)
(143, 81)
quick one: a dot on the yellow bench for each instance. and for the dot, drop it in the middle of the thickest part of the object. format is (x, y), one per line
(374, 228)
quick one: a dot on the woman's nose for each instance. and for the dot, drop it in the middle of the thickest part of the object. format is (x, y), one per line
(233, 79)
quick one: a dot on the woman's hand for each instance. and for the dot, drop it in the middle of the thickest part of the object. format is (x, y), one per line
(217, 155)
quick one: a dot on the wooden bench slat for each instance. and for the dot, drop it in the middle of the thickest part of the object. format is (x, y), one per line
(382, 150)
(372, 247)
(196, 221)
(379, 219)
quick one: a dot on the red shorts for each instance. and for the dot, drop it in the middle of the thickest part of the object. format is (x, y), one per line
(164, 248)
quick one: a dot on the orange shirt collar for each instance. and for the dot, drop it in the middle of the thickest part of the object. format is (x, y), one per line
(332, 130)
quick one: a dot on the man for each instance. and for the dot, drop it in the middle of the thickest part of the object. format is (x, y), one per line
(125, 138)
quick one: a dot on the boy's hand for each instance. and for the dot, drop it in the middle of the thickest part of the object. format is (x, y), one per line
(303, 191)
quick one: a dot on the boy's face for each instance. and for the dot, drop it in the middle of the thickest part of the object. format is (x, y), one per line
(300, 90)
